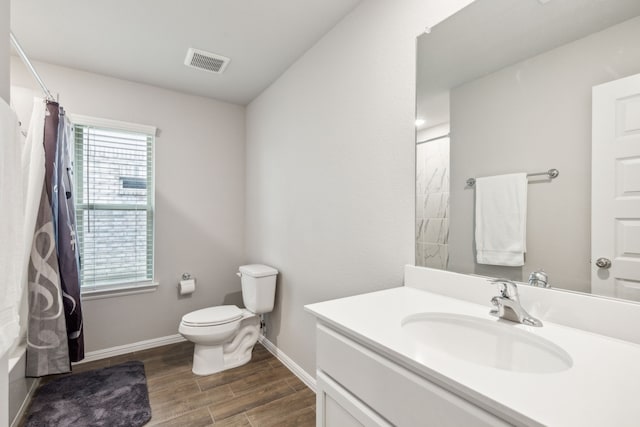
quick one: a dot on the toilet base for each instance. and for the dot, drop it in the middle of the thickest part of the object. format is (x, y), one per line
(207, 359)
(210, 359)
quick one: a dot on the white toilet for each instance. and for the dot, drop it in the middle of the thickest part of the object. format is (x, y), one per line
(224, 336)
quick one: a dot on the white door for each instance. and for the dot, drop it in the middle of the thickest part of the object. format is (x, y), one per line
(615, 189)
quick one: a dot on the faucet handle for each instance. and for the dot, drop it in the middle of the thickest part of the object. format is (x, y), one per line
(507, 288)
(539, 278)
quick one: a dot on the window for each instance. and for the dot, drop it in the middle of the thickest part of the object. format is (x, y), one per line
(114, 202)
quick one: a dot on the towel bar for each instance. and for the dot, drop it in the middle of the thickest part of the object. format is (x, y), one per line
(551, 173)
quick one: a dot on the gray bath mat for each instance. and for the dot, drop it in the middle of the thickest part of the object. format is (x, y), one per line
(110, 397)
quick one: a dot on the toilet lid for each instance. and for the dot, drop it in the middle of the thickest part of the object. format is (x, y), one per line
(212, 316)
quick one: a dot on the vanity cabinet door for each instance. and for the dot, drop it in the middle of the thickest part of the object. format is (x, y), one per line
(336, 407)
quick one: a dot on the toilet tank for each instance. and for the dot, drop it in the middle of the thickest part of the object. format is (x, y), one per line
(258, 287)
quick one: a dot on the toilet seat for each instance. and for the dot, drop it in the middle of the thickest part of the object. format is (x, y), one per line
(212, 316)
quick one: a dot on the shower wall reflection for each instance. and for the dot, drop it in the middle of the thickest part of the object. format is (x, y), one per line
(432, 197)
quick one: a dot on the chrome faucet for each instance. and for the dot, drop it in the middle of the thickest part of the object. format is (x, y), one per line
(508, 304)
(539, 278)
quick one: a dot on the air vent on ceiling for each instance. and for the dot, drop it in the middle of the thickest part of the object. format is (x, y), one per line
(206, 61)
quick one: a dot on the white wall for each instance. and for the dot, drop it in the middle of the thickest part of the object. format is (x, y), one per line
(199, 160)
(4, 94)
(538, 117)
(331, 164)
(4, 49)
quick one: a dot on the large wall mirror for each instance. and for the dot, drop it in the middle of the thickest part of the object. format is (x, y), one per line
(526, 86)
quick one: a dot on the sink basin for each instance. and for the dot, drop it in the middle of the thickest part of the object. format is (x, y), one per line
(493, 343)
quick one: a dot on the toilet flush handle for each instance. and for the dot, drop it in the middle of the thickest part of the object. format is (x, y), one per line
(239, 274)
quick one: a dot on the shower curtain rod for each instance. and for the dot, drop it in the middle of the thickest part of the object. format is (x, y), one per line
(30, 66)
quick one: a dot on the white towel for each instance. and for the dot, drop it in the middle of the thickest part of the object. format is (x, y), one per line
(501, 219)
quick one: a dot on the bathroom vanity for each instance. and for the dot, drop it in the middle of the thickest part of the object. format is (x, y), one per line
(423, 355)
(357, 385)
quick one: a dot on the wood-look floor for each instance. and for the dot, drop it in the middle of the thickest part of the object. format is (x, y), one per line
(261, 393)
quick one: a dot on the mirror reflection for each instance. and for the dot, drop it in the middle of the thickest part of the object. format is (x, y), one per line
(509, 89)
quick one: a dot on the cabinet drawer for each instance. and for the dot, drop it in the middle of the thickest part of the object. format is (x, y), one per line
(336, 407)
(400, 396)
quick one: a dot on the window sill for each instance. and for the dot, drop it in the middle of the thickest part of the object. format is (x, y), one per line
(117, 291)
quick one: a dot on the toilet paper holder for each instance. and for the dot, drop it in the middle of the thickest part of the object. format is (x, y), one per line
(187, 285)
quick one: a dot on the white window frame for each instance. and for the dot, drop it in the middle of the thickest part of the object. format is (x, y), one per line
(124, 288)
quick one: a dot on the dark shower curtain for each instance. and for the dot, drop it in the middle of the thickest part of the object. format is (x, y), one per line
(54, 285)
(65, 232)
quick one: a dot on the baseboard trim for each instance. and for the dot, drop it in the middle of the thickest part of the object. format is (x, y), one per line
(130, 348)
(25, 403)
(289, 363)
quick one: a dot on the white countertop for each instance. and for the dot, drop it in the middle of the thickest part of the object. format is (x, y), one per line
(602, 388)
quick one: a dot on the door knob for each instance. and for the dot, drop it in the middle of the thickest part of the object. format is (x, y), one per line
(603, 263)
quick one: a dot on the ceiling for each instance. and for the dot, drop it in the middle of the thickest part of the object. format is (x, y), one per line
(147, 40)
(489, 35)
